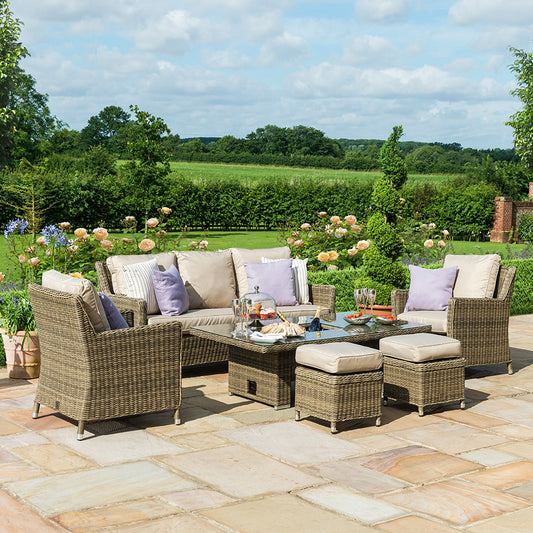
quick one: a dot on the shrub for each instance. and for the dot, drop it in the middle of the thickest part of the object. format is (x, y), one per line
(525, 228)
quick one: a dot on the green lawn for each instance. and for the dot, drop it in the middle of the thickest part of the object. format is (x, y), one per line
(250, 173)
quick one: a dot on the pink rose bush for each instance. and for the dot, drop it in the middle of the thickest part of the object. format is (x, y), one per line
(328, 241)
(425, 243)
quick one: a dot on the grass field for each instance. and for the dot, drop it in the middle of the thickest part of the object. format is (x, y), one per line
(250, 173)
(219, 240)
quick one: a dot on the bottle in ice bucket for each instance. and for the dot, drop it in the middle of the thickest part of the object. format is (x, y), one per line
(315, 323)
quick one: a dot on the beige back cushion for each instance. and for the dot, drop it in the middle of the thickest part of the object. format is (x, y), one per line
(243, 255)
(476, 275)
(208, 278)
(52, 279)
(115, 263)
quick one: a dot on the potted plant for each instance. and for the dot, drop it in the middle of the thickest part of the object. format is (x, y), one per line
(382, 260)
(17, 325)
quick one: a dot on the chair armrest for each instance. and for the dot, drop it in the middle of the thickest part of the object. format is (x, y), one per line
(133, 309)
(398, 300)
(323, 295)
(477, 313)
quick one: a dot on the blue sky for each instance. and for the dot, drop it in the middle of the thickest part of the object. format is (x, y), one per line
(351, 68)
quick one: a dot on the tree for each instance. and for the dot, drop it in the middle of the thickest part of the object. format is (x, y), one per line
(105, 129)
(150, 163)
(25, 120)
(522, 121)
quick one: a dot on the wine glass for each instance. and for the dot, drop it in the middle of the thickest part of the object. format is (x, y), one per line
(358, 295)
(371, 299)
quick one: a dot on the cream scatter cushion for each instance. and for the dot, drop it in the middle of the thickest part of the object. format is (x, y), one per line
(52, 279)
(139, 284)
(476, 275)
(299, 271)
(115, 263)
(208, 278)
(243, 255)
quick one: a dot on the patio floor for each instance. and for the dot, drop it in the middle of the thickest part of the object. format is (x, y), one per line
(240, 466)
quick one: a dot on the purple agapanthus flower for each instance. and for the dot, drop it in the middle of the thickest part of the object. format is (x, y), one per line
(54, 236)
(18, 225)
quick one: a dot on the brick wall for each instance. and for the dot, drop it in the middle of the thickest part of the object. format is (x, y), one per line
(507, 217)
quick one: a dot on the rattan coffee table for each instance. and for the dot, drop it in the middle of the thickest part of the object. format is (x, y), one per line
(264, 372)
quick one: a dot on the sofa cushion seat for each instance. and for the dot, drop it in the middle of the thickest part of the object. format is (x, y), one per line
(438, 320)
(224, 315)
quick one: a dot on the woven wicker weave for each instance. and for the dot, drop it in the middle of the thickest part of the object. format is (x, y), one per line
(338, 397)
(92, 376)
(480, 324)
(425, 383)
(194, 350)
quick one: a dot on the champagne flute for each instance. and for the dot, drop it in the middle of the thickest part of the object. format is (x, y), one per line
(371, 299)
(365, 298)
(358, 295)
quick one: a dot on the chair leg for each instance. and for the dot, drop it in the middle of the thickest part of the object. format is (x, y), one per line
(420, 411)
(81, 429)
(177, 419)
(509, 368)
(378, 421)
(35, 412)
(296, 415)
(334, 427)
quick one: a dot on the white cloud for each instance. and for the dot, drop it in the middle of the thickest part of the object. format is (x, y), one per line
(283, 49)
(225, 59)
(382, 10)
(369, 50)
(516, 12)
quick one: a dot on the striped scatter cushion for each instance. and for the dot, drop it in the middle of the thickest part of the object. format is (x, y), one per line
(139, 284)
(299, 271)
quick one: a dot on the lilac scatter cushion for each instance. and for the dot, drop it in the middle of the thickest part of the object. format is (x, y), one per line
(170, 292)
(276, 279)
(115, 319)
(430, 289)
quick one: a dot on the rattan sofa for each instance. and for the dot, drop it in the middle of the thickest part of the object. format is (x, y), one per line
(196, 350)
(481, 324)
(91, 376)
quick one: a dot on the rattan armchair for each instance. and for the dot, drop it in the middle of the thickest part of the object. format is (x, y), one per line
(481, 324)
(89, 376)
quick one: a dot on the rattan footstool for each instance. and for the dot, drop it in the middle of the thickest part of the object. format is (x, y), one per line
(423, 369)
(338, 381)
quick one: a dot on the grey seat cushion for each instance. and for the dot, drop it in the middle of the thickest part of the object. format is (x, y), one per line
(339, 357)
(420, 347)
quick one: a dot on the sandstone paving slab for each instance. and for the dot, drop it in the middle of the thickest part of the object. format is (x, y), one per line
(294, 443)
(18, 471)
(47, 419)
(469, 418)
(114, 515)
(493, 389)
(10, 400)
(414, 524)
(347, 502)
(178, 524)
(53, 458)
(202, 386)
(456, 501)
(523, 449)
(8, 457)
(504, 476)
(224, 403)
(200, 441)
(525, 490)
(98, 487)
(122, 446)
(18, 517)
(514, 431)
(28, 438)
(357, 477)
(192, 500)
(282, 513)
(240, 472)
(263, 416)
(518, 522)
(378, 443)
(489, 457)
(511, 409)
(451, 438)
(9, 428)
(416, 464)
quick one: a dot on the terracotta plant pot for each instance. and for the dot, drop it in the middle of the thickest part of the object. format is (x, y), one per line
(382, 310)
(23, 360)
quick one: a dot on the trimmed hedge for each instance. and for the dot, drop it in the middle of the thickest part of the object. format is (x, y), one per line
(344, 281)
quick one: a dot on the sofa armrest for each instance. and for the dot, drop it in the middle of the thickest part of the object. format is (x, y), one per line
(323, 295)
(398, 300)
(132, 309)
